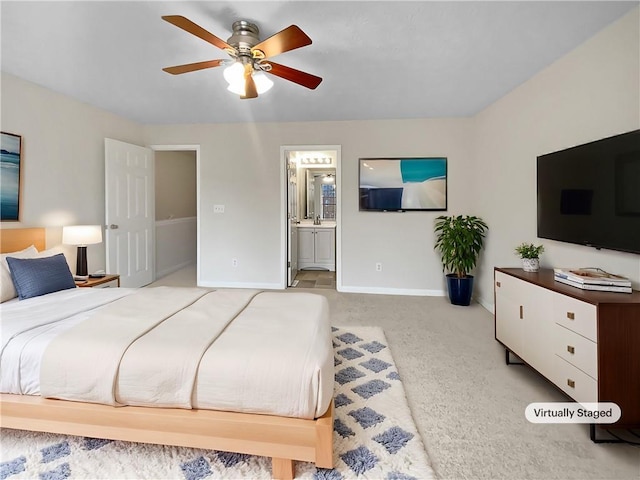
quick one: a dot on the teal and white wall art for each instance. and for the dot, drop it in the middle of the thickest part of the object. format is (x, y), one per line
(403, 184)
(10, 158)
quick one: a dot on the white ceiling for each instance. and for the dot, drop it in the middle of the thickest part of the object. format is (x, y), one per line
(379, 60)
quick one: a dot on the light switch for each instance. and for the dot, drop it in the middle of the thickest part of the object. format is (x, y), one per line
(218, 209)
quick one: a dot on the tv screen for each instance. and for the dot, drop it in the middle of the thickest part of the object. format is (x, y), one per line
(590, 194)
(403, 184)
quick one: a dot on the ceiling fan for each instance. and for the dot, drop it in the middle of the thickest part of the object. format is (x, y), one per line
(250, 57)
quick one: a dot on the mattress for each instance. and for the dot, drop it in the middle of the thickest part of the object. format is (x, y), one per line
(272, 355)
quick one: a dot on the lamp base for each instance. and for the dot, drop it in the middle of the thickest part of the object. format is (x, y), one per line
(81, 262)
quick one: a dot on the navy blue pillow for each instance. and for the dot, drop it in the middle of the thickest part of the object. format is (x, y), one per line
(33, 277)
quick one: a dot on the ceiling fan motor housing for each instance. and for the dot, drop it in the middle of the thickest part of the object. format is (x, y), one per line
(245, 36)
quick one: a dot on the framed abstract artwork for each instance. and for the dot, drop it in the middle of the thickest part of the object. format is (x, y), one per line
(403, 184)
(10, 165)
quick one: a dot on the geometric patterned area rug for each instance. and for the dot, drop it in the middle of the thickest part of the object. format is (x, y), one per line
(374, 435)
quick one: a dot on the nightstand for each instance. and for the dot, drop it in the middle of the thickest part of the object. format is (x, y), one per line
(108, 281)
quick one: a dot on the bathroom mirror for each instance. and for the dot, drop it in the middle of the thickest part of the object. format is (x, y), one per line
(312, 185)
(319, 194)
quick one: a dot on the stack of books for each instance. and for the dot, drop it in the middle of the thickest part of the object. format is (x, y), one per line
(593, 279)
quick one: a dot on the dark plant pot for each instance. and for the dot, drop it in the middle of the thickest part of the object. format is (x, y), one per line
(460, 289)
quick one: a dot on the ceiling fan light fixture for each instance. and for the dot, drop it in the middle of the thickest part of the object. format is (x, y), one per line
(236, 85)
(263, 83)
(237, 88)
(234, 73)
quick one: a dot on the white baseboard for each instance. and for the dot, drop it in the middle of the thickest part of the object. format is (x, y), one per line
(393, 291)
(259, 286)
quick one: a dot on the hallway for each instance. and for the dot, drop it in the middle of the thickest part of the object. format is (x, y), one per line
(315, 279)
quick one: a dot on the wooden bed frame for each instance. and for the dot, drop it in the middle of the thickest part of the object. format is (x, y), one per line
(281, 438)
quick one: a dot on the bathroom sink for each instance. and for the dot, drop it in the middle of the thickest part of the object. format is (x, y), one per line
(309, 223)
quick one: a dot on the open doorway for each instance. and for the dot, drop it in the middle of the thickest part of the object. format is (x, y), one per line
(176, 207)
(311, 213)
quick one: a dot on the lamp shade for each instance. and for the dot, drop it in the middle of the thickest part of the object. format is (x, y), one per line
(82, 235)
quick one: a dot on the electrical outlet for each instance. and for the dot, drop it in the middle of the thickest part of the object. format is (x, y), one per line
(378, 267)
(218, 209)
(234, 262)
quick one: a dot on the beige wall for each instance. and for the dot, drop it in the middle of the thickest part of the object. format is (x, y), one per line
(175, 184)
(240, 167)
(591, 93)
(63, 154)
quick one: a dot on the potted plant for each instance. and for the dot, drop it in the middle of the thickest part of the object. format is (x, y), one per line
(530, 255)
(459, 240)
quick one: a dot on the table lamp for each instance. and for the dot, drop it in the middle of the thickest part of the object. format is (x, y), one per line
(82, 235)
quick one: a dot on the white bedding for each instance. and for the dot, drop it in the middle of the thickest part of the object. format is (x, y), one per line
(274, 357)
(27, 327)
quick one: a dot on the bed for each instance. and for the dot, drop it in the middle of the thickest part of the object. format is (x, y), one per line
(292, 423)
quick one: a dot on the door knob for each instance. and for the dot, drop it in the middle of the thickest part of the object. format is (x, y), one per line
(113, 226)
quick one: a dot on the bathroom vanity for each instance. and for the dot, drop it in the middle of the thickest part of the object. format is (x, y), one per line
(317, 245)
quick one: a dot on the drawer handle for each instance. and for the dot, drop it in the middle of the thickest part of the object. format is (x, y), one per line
(571, 383)
(571, 349)
(521, 311)
(571, 315)
(498, 284)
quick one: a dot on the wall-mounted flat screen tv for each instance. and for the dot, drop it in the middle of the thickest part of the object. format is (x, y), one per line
(590, 194)
(403, 184)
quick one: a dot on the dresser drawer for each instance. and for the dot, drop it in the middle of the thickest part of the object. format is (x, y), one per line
(577, 350)
(580, 317)
(574, 382)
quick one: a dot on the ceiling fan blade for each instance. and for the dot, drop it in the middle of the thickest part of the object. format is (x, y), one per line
(285, 40)
(295, 76)
(250, 90)
(192, 67)
(198, 31)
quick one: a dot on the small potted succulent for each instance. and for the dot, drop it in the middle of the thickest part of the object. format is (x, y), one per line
(530, 255)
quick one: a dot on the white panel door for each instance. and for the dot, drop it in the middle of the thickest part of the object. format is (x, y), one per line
(129, 196)
(292, 262)
(292, 232)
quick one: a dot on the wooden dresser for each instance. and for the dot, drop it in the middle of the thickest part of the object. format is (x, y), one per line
(587, 343)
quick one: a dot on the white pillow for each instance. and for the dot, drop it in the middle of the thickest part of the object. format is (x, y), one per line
(49, 252)
(7, 289)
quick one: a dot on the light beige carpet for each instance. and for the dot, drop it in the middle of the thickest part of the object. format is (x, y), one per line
(468, 405)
